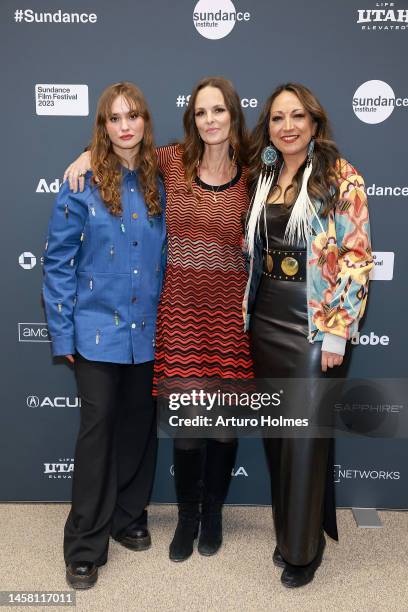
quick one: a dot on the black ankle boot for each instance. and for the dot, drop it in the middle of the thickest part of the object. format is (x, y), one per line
(187, 473)
(217, 476)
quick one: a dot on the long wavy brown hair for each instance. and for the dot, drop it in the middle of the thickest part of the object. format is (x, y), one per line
(323, 182)
(193, 146)
(105, 164)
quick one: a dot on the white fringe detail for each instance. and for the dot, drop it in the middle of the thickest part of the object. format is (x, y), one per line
(263, 188)
(298, 226)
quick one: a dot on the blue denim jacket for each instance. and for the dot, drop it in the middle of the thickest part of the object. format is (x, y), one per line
(103, 274)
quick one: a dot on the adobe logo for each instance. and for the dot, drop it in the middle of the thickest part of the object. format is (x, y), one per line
(370, 339)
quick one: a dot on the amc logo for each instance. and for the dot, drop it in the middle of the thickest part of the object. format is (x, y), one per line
(33, 332)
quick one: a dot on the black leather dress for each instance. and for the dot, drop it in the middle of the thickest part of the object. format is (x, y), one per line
(301, 469)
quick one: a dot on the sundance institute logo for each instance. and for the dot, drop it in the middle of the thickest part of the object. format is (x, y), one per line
(216, 19)
(374, 101)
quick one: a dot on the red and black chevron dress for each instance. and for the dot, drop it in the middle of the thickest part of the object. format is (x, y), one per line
(199, 326)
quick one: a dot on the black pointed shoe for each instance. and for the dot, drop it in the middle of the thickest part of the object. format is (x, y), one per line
(277, 558)
(294, 576)
(81, 574)
(138, 539)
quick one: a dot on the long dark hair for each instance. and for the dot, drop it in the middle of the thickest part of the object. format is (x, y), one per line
(193, 146)
(323, 182)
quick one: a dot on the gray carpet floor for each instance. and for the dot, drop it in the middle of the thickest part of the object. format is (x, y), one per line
(366, 571)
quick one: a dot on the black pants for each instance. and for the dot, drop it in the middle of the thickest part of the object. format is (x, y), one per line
(115, 456)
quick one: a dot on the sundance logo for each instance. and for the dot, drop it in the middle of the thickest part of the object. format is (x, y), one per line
(33, 332)
(383, 266)
(52, 187)
(370, 339)
(33, 401)
(374, 101)
(215, 19)
(61, 470)
(341, 473)
(30, 16)
(378, 190)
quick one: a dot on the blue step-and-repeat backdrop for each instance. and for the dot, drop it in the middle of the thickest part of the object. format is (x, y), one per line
(59, 56)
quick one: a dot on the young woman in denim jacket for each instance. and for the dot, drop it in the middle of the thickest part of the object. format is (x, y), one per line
(103, 272)
(309, 262)
(200, 334)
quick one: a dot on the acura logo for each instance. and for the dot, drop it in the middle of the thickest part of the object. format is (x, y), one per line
(33, 401)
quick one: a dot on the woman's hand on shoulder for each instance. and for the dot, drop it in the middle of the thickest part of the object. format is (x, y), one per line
(75, 173)
(330, 360)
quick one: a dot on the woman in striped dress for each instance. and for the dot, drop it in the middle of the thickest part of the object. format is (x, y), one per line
(199, 329)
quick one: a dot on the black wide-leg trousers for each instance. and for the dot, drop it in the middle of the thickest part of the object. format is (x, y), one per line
(115, 456)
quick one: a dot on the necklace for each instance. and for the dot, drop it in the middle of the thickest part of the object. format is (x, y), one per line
(215, 191)
(215, 188)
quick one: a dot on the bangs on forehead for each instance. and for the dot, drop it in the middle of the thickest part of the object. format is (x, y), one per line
(133, 103)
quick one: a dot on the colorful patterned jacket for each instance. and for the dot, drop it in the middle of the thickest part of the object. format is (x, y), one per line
(339, 261)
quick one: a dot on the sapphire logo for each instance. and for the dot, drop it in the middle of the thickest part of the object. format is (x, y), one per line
(215, 19)
(27, 260)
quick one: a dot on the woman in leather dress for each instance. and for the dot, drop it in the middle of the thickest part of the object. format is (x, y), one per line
(308, 241)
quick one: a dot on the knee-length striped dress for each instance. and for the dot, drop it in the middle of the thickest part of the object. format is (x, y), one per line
(199, 326)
